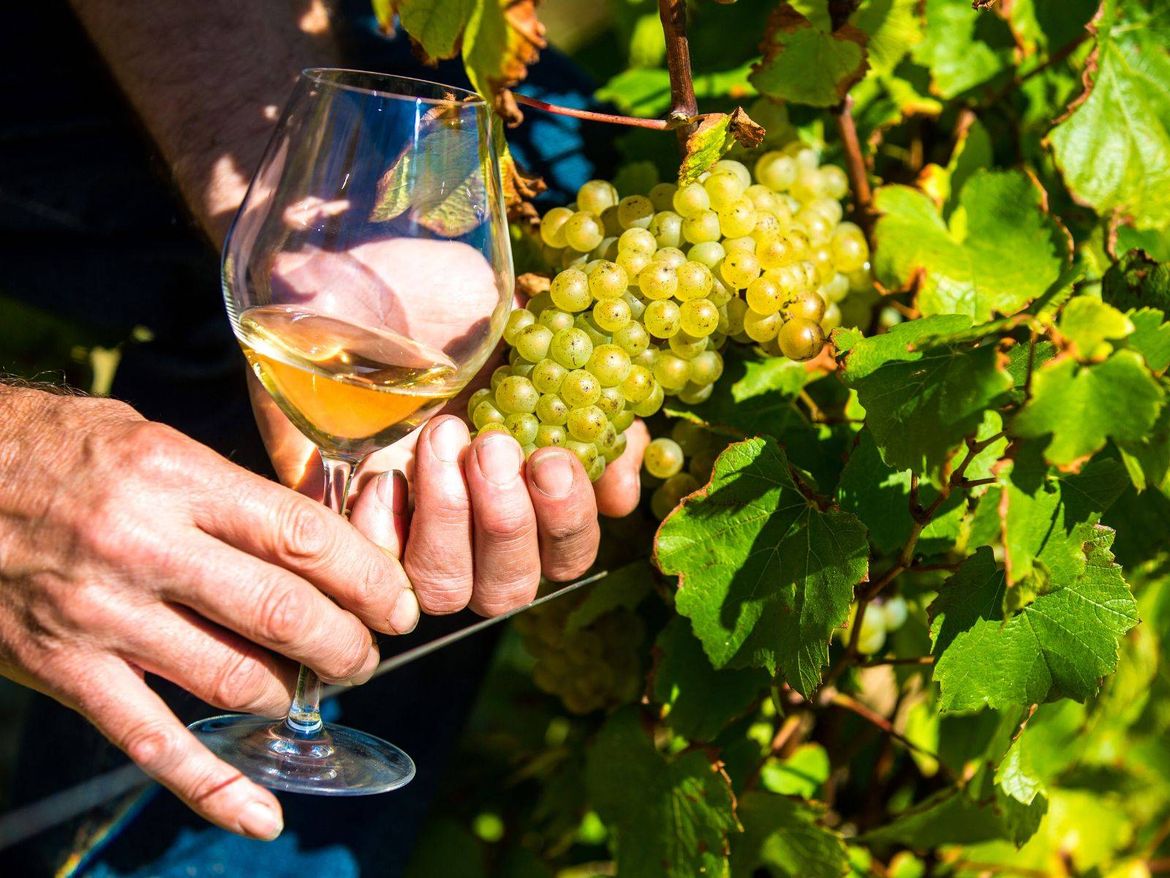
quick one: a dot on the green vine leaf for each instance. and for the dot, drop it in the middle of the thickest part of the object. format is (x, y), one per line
(712, 139)
(920, 400)
(1114, 145)
(785, 837)
(963, 48)
(893, 28)
(998, 252)
(806, 62)
(1151, 338)
(435, 25)
(1058, 646)
(765, 575)
(1137, 281)
(677, 823)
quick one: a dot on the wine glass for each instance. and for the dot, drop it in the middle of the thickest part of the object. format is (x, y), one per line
(368, 276)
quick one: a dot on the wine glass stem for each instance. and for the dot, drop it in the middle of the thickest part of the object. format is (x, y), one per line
(304, 716)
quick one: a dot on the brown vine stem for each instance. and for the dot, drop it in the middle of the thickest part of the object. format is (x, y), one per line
(915, 660)
(590, 115)
(684, 107)
(874, 718)
(788, 730)
(855, 163)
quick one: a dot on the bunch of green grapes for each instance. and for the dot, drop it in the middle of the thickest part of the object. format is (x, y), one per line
(650, 288)
(679, 465)
(882, 617)
(594, 667)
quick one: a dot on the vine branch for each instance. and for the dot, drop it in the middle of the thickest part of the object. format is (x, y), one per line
(592, 116)
(874, 718)
(683, 104)
(855, 164)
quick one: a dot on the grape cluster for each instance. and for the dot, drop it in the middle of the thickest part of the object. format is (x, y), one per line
(651, 287)
(881, 617)
(679, 465)
(589, 668)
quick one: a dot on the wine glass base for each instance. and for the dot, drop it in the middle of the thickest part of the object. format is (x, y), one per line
(335, 761)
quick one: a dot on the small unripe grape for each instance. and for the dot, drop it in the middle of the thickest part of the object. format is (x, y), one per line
(611, 314)
(742, 244)
(762, 198)
(663, 458)
(637, 385)
(724, 189)
(809, 185)
(580, 388)
(720, 293)
(671, 256)
(548, 375)
(518, 320)
(702, 226)
(571, 348)
(570, 290)
(646, 358)
(552, 226)
(609, 364)
(523, 427)
(586, 452)
(691, 200)
(555, 319)
(806, 305)
(737, 309)
(596, 195)
(850, 249)
(584, 231)
(687, 346)
(698, 317)
(816, 224)
(694, 281)
(662, 318)
(622, 420)
(860, 281)
(608, 281)
(822, 260)
(486, 413)
(761, 327)
(835, 182)
(836, 288)
(650, 405)
(523, 368)
(706, 368)
(691, 437)
(658, 280)
(738, 219)
(595, 470)
(484, 394)
(499, 374)
(611, 401)
(667, 228)
(611, 224)
(671, 372)
(619, 445)
(764, 296)
(662, 503)
(632, 263)
(515, 395)
(551, 435)
(801, 339)
(693, 393)
(872, 636)
(635, 211)
(662, 195)
(896, 612)
(539, 302)
(832, 318)
(587, 423)
(709, 253)
(637, 240)
(607, 249)
(776, 170)
(767, 227)
(532, 344)
(570, 258)
(632, 338)
(596, 334)
(551, 409)
(740, 268)
(830, 208)
(680, 485)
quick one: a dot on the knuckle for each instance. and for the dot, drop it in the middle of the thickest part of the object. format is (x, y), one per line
(507, 595)
(242, 682)
(350, 659)
(281, 610)
(301, 532)
(153, 447)
(154, 747)
(507, 528)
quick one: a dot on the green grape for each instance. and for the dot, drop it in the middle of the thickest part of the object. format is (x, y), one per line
(724, 189)
(650, 405)
(738, 219)
(587, 423)
(745, 244)
(661, 503)
(663, 458)
(860, 281)
(532, 343)
(523, 369)
(552, 410)
(551, 435)
(486, 413)
(693, 394)
(632, 338)
(737, 309)
(555, 319)
(611, 401)
(481, 395)
(596, 469)
(570, 290)
(836, 183)
(706, 368)
(608, 437)
(528, 449)
(777, 177)
(831, 319)
(493, 427)
(584, 231)
(694, 281)
(763, 198)
(580, 388)
(691, 200)
(761, 327)
(670, 492)
(519, 319)
(671, 372)
(740, 268)
(609, 364)
(662, 195)
(691, 437)
(608, 280)
(658, 281)
(539, 302)
(637, 240)
(596, 334)
(872, 636)
(816, 224)
(635, 211)
(670, 256)
(637, 304)
(830, 208)
(720, 293)
(596, 195)
(836, 289)
(739, 169)
(702, 227)
(801, 339)
(703, 463)
(499, 374)
(571, 348)
(895, 611)
(850, 249)
(523, 427)
(822, 261)
(637, 385)
(611, 224)
(618, 448)
(787, 249)
(666, 226)
(606, 250)
(622, 420)
(548, 375)
(767, 227)
(764, 296)
(515, 395)
(632, 262)
(662, 318)
(570, 258)
(809, 185)
(806, 305)
(552, 226)
(611, 314)
(687, 346)
(586, 452)
(709, 253)
(698, 317)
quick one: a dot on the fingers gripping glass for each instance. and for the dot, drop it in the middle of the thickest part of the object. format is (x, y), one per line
(368, 277)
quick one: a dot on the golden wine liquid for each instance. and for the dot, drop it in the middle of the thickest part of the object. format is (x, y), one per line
(351, 390)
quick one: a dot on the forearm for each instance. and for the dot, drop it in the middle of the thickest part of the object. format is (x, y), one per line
(207, 79)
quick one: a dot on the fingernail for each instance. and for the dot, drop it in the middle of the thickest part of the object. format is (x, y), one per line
(499, 458)
(553, 474)
(404, 616)
(260, 820)
(448, 440)
(392, 491)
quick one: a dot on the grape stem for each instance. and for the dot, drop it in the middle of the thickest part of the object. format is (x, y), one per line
(840, 699)
(855, 163)
(590, 115)
(684, 107)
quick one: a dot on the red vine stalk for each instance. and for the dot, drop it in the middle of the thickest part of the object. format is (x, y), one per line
(855, 163)
(590, 115)
(683, 104)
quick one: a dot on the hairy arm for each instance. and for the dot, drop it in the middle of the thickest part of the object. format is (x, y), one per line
(208, 79)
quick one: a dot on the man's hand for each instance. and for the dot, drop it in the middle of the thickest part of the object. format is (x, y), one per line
(127, 548)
